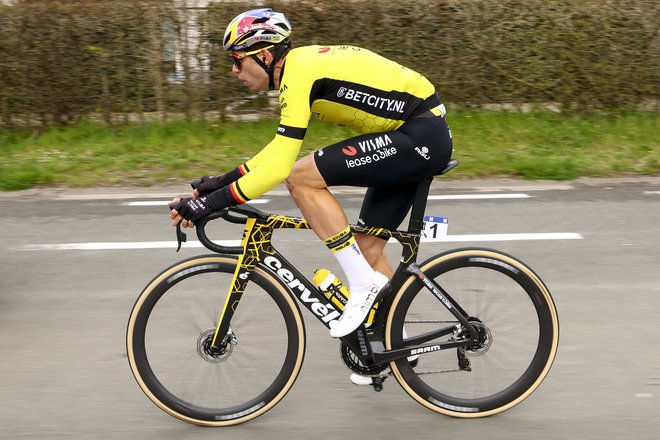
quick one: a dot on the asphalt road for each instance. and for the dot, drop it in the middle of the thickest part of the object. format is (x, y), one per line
(64, 304)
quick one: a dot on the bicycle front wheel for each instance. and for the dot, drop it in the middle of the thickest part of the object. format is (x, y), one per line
(511, 309)
(169, 337)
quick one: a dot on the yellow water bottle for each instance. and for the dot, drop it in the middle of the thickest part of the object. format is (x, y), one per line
(336, 291)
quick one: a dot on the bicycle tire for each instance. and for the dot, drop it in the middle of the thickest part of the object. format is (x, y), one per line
(500, 376)
(209, 392)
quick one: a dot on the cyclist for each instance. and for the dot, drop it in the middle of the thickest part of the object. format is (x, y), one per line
(404, 138)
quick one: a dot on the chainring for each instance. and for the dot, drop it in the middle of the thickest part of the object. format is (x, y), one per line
(353, 362)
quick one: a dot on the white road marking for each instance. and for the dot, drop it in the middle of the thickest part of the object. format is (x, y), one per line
(646, 395)
(121, 245)
(165, 202)
(122, 195)
(652, 193)
(480, 196)
(506, 237)
(143, 203)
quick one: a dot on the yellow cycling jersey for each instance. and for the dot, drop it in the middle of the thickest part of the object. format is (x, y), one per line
(345, 85)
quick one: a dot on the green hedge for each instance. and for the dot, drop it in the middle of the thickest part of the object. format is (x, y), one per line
(62, 61)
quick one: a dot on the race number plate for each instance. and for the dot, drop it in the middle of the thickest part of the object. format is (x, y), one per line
(435, 228)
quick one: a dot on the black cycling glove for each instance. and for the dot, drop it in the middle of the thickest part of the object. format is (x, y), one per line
(195, 210)
(212, 183)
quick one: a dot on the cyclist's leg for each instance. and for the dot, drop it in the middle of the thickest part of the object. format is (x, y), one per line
(328, 220)
(317, 204)
(383, 207)
(372, 248)
(378, 159)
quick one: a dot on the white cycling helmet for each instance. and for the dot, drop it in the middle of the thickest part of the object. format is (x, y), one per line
(256, 26)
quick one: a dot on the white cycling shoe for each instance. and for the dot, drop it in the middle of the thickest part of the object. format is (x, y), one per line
(358, 306)
(358, 379)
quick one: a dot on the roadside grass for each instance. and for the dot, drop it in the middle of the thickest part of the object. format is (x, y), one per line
(537, 145)
(557, 146)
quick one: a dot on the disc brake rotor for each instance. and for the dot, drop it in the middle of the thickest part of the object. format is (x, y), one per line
(218, 354)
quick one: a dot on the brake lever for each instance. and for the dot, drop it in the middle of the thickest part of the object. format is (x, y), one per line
(180, 237)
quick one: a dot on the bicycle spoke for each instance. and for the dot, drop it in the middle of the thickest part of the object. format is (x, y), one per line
(514, 340)
(175, 360)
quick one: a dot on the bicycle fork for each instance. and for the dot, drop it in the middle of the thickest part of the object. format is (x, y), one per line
(246, 263)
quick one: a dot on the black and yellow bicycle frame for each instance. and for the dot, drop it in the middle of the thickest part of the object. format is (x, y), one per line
(257, 249)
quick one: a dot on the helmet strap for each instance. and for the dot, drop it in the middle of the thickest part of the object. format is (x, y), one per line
(282, 49)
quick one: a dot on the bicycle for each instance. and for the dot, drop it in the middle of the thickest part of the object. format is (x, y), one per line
(483, 326)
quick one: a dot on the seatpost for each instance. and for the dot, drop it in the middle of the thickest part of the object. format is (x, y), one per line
(419, 206)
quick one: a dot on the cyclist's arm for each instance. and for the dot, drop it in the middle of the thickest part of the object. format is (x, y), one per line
(243, 169)
(274, 163)
(267, 169)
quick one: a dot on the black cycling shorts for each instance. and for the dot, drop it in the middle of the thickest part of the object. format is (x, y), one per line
(390, 164)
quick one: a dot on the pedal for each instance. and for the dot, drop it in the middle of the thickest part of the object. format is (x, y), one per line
(377, 383)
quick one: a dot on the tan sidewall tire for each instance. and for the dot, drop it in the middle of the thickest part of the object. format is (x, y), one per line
(211, 260)
(487, 254)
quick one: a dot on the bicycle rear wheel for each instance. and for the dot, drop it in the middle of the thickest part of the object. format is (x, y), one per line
(171, 328)
(509, 306)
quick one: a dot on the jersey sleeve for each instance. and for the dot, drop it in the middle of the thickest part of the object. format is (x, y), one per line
(267, 169)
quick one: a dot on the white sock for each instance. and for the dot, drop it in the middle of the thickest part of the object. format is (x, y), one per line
(345, 248)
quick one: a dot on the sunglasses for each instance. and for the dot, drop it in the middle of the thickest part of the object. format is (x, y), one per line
(237, 57)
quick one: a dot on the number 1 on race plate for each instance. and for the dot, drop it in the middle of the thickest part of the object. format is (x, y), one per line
(435, 228)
